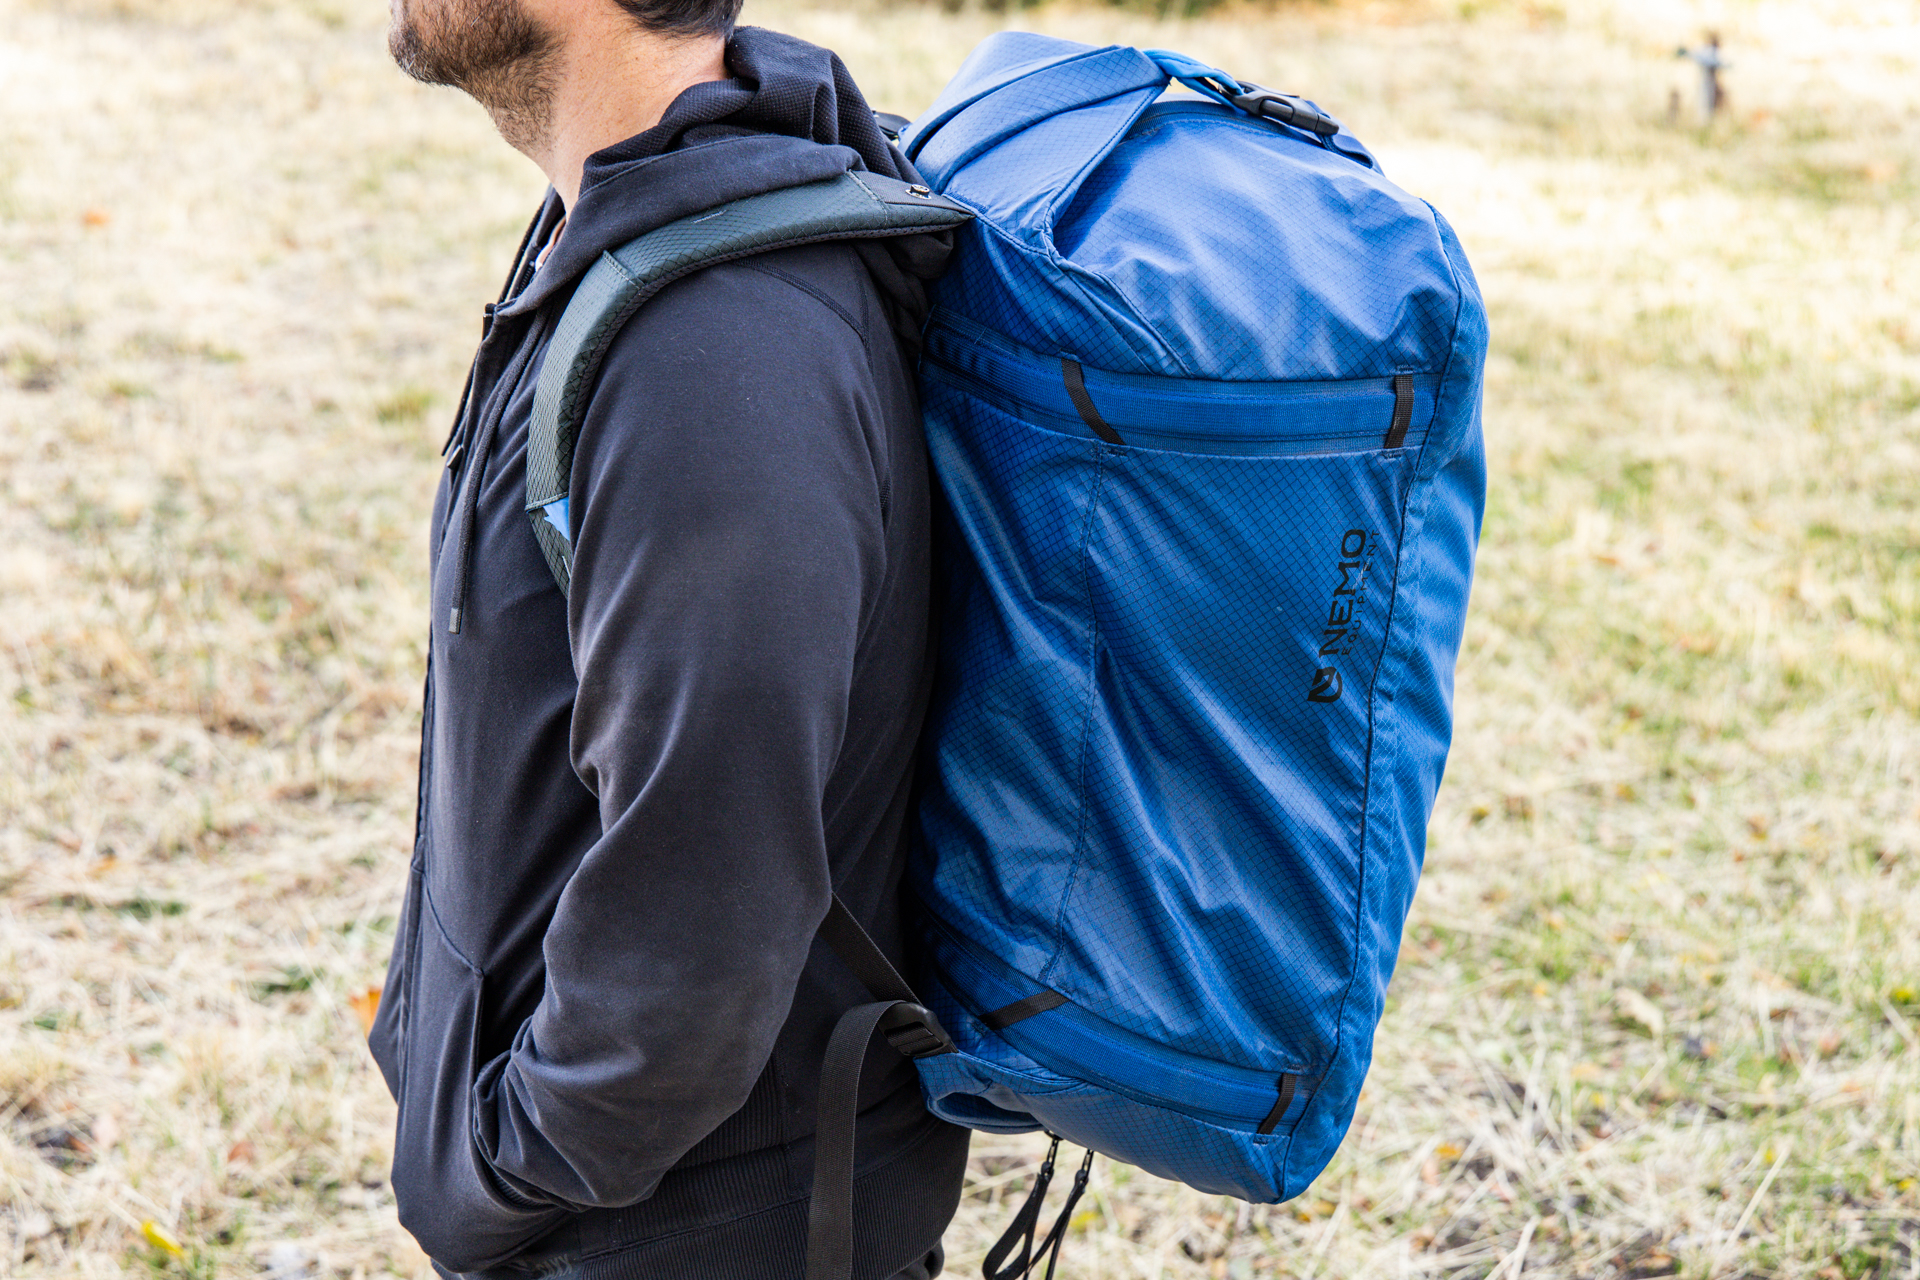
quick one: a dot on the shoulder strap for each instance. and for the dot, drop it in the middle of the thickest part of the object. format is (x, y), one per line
(849, 207)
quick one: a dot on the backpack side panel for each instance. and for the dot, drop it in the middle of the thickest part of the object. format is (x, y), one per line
(1413, 706)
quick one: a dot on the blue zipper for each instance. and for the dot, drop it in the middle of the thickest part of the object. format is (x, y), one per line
(1184, 415)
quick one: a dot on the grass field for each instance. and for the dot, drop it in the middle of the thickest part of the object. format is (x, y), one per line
(1658, 1010)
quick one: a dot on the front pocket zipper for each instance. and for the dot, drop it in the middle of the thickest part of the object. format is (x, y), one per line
(1181, 415)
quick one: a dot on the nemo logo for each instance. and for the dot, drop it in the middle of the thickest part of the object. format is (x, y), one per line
(1326, 686)
(1341, 630)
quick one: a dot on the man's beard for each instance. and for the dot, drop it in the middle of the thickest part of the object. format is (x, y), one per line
(492, 50)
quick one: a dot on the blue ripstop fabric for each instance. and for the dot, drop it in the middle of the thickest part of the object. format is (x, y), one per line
(1195, 692)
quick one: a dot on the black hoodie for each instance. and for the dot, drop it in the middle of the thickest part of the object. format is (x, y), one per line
(606, 1012)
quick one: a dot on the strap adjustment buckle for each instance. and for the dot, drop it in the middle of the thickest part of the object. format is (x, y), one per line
(915, 1032)
(1258, 100)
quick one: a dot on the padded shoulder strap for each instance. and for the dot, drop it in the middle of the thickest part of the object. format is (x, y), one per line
(852, 206)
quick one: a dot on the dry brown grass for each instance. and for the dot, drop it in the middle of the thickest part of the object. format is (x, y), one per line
(1657, 1010)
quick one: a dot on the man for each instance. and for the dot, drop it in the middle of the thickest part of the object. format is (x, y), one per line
(606, 1010)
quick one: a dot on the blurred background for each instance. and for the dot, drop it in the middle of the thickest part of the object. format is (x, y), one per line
(1658, 1009)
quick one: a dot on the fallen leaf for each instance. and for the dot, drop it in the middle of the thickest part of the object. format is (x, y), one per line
(1657, 1262)
(96, 217)
(240, 1152)
(1639, 1009)
(160, 1238)
(365, 1006)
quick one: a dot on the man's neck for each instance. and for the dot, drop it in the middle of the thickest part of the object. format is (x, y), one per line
(611, 80)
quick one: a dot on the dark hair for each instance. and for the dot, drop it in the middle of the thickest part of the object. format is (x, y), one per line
(684, 17)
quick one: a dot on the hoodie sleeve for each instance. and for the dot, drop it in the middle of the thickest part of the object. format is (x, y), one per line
(728, 549)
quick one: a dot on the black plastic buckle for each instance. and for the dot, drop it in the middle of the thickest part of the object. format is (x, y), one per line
(915, 1032)
(1284, 108)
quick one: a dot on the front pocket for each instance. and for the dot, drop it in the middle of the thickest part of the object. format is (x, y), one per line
(386, 1038)
(1187, 415)
(1190, 710)
(447, 1196)
(1240, 607)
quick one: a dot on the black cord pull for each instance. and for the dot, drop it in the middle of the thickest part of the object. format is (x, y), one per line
(1058, 1236)
(1021, 1230)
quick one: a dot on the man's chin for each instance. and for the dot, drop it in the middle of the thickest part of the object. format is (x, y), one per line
(409, 54)
(486, 48)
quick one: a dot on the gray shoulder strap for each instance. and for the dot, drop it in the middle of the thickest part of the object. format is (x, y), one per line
(852, 206)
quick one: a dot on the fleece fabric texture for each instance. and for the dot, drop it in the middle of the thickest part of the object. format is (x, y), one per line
(606, 1012)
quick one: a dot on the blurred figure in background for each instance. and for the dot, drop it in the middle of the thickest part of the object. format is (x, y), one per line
(1707, 57)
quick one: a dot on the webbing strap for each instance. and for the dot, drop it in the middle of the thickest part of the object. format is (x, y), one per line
(860, 953)
(830, 1215)
(853, 206)
(896, 1012)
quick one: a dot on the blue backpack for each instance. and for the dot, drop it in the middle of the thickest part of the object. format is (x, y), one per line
(1202, 394)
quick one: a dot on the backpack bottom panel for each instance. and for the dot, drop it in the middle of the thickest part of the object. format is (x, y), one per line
(1007, 1081)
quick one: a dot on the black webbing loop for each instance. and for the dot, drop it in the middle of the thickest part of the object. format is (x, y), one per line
(911, 1029)
(1020, 1010)
(1284, 1100)
(1077, 392)
(1402, 410)
(1022, 1228)
(830, 1215)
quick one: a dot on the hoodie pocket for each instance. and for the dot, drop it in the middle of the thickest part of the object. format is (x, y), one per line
(386, 1037)
(447, 1195)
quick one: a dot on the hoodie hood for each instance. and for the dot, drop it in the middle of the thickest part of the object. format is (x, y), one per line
(791, 114)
